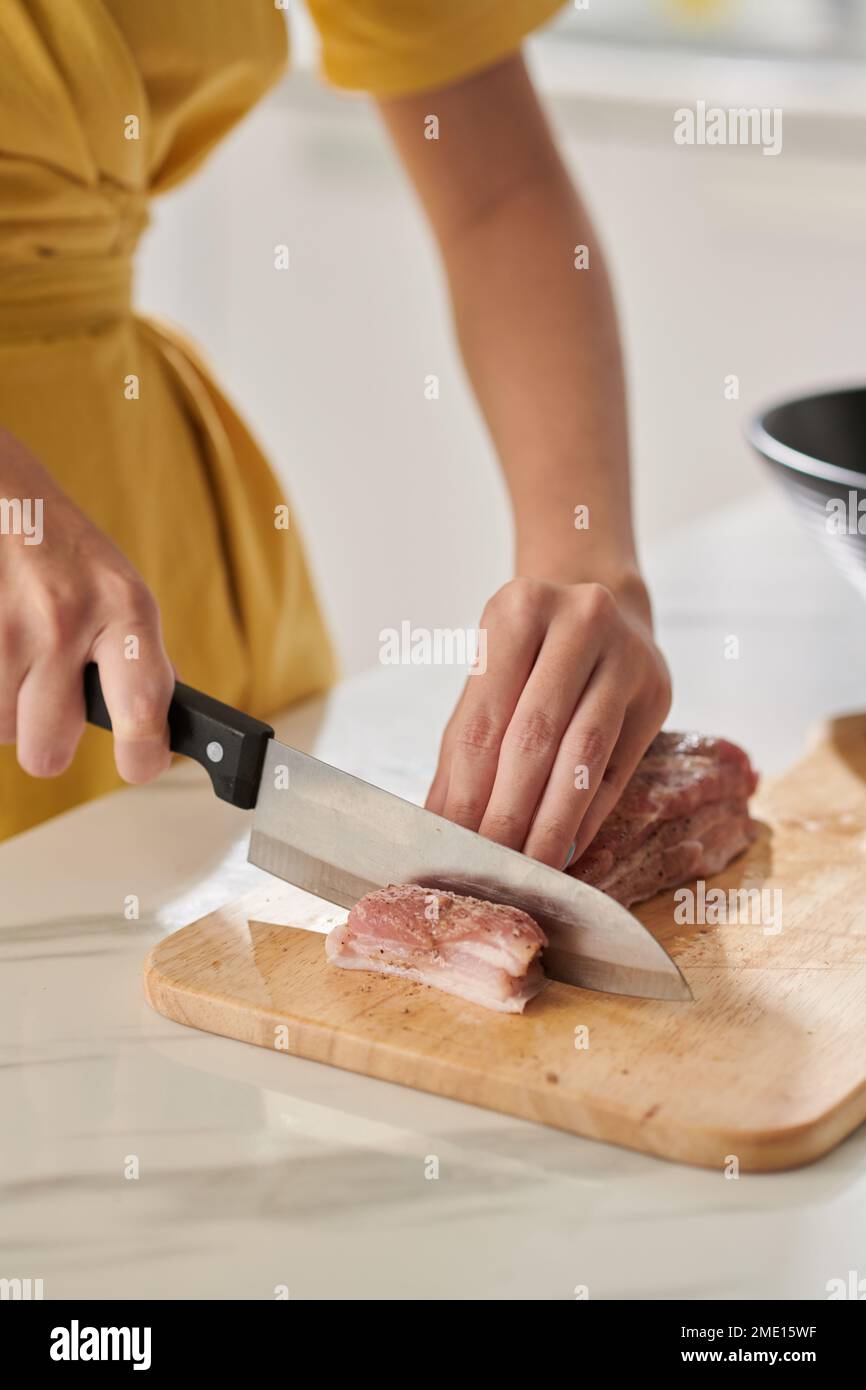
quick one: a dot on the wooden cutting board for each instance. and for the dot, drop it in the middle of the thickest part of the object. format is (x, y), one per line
(767, 1067)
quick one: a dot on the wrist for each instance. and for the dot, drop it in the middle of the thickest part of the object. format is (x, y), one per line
(623, 578)
(632, 594)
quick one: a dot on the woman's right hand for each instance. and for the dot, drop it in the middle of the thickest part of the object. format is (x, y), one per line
(68, 596)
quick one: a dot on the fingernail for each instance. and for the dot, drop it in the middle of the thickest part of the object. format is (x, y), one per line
(570, 854)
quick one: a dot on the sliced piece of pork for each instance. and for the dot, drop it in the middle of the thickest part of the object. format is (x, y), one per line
(482, 951)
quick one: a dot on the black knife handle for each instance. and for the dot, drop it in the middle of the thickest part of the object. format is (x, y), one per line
(229, 745)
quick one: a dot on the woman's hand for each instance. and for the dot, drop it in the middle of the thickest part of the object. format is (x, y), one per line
(68, 596)
(541, 746)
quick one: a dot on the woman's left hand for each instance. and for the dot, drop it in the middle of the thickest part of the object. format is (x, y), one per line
(542, 744)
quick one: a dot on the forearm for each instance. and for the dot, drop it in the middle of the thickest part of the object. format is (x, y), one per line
(538, 335)
(540, 343)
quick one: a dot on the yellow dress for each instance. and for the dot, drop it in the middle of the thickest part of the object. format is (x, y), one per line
(167, 468)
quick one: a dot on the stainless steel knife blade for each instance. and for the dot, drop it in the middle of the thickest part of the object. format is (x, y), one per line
(339, 837)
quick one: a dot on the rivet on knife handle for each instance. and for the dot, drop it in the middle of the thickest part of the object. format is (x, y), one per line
(228, 744)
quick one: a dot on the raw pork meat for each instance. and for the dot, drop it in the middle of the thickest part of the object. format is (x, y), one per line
(683, 815)
(484, 952)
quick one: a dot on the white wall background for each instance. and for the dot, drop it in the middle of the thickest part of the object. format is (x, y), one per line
(726, 261)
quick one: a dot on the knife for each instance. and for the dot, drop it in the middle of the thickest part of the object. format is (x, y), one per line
(339, 837)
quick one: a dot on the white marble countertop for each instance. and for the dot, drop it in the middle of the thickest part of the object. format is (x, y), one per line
(257, 1169)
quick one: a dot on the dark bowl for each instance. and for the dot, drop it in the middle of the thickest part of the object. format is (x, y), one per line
(816, 447)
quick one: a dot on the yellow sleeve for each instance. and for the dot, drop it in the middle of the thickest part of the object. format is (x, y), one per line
(394, 47)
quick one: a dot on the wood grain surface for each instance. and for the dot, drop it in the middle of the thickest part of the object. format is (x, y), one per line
(766, 1067)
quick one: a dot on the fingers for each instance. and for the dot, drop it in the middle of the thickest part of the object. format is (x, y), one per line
(13, 667)
(439, 786)
(50, 715)
(49, 701)
(475, 741)
(137, 693)
(438, 792)
(585, 753)
(515, 629)
(532, 742)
